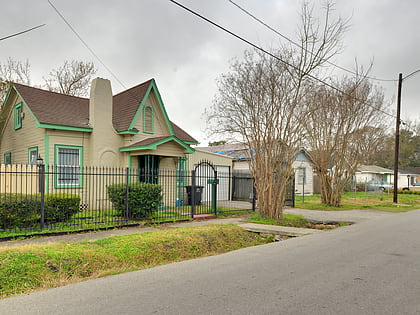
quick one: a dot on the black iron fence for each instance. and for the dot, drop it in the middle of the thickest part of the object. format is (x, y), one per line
(51, 198)
(64, 198)
(243, 188)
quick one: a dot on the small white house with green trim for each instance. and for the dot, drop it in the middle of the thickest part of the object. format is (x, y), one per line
(130, 129)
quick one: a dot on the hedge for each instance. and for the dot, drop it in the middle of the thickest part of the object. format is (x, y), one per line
(22, 211)
(143, 198)
(409, 192)
(19, 210)
(60, 207)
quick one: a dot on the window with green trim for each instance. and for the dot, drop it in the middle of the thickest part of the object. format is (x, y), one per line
(68, 164)
(17, 114)
(8, 158)
(148, 117)
(32, 155)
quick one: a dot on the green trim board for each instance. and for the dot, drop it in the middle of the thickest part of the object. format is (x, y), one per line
(129, 167)
(30, 158)
(191, 142)
(78, 179)
(181, 180)
(154, 146)
(153, 86)
(8, 94)
(128, 132)
(63, 127)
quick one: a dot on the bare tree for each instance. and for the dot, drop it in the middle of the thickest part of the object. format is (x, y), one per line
(342, 128)
(73, 78)
(13, 71)
(259, 102)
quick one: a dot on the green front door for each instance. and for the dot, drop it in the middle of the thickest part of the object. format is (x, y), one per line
(148, 168)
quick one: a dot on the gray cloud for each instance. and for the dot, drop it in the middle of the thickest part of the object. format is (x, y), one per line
(143, 39)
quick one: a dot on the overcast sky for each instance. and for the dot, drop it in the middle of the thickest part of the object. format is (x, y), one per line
(143, 39)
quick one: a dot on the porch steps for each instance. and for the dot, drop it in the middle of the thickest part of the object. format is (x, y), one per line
(204, 216)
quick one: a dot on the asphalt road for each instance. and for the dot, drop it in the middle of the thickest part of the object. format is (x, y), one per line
(371, 267)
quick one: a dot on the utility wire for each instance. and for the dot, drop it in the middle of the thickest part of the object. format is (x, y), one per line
(298, 45)
(93, 53)
(86, 45)
(23, 32)
(274, 56)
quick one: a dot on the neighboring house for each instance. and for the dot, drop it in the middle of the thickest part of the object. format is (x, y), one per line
(375, 175)
(407, 179)
(304, 174)
(383, 178)
(415, 171)
(130, 129)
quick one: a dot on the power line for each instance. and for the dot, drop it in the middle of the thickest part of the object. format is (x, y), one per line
(85, 44)
(93, 53)
(298, 45)
(274, 56)
(23, 32)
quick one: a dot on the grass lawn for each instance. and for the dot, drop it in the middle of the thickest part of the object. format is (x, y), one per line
(32, 268)
(291, 220)
(382, 201)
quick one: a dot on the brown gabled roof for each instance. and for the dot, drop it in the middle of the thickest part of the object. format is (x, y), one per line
(55, 108)
(125, 105)
(147, 141)
(60, 109)
(181, 134)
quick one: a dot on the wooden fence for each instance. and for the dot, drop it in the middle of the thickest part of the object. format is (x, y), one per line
(16, 178)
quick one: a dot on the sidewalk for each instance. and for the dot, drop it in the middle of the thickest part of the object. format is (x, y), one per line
(328, 217)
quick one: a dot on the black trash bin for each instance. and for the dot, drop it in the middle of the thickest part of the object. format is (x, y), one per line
(198, 192)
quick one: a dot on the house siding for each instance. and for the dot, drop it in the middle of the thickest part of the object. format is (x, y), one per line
(68, 138)
(20, 140)
(214, 158)
(308, 187)
(160, 127)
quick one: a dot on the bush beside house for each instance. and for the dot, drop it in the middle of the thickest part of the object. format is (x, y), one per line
(143, 198)
(21, 210)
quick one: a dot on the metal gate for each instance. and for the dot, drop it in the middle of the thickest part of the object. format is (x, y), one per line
(202, 196)
(243, 188)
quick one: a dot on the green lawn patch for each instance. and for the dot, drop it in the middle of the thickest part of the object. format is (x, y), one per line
(292, 220)
(31, 268)
(382, 201)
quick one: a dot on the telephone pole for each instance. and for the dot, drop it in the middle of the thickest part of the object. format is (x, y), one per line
(397, 131)
(397, 138)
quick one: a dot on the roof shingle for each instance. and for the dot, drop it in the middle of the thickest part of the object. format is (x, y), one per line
(60, 109)
(55, 108)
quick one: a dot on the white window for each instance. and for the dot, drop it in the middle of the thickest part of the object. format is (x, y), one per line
(32, 155)
(301, 175)
(148, 125)
(68, 166)
(8, 158)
